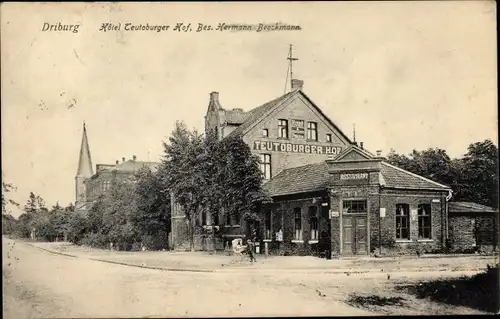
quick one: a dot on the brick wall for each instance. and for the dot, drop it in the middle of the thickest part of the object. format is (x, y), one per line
(386, 226)
(461, 232)
(298, 109)
(390, 199)
(283, 218)
(467, 231)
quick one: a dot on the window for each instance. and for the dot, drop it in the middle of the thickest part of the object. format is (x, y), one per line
(313, 221)
(283, 128)
(329, 138)
(297, 223)
(265, 132)
(265, 165)
(312, 131)
(424, 221)
(227, 219)
(267, 225)
(402, 221)
(354, 206)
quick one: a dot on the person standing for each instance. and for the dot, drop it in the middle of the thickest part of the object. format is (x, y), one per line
(250, 247)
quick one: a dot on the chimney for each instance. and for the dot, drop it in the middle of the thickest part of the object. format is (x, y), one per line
(379, 153)
(297, 84)
(361, 145)
(117, 161)
(134, 157)
(123, 159)
(214, 97)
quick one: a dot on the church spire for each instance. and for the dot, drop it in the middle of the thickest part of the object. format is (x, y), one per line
(85, 160)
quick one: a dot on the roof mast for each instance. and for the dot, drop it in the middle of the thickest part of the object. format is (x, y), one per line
(290, 59)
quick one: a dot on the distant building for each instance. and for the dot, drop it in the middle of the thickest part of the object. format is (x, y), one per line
(90, 186)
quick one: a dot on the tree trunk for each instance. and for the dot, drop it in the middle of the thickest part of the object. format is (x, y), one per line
(191, 234)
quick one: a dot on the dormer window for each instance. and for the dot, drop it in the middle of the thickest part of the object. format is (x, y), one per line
(265, 132)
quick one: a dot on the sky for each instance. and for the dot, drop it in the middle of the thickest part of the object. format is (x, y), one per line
(410, 75)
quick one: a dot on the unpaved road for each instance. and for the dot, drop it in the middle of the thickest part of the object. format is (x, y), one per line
(40, 284)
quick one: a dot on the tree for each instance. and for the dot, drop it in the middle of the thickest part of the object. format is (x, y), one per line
(433, 163)
(31, 204)
(182, 171)
(78, 227)
(119, 205)
(6, 188)
(473, 177)
(152, 218)
(243, 180)
(480, 173)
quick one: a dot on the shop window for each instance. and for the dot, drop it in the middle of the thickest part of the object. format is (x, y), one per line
(283, 128)
(329, 138)
(265, 132)
(354, 206)
(265, 165)
(402, 221)
(297, 213)
(312, 131)
(313, 221)
(424, 221)
(267, 225)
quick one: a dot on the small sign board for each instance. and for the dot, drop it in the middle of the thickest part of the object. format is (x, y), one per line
(334, 214)
(414, 215)
(382, 212)
(437, 200)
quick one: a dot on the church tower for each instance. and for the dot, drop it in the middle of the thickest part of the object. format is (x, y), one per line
(84, 171)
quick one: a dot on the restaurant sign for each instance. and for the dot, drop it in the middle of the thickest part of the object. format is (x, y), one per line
(295, 148)
(353, 176)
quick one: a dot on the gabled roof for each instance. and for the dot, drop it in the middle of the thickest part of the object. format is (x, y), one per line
(257, 114)
(130, 166)
(315, 177)
(354, 149)
(469, 207)
(303, 179)
(236, 116)
(396, 177)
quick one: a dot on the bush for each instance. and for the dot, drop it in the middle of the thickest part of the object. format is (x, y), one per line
(158, 241)
(95, 240)
(479, 291)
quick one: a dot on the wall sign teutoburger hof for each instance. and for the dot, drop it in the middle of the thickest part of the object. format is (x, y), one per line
(296, 148)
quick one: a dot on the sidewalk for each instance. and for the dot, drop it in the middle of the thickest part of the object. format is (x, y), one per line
(205, 262)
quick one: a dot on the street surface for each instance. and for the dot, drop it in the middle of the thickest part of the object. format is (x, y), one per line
(39, 284)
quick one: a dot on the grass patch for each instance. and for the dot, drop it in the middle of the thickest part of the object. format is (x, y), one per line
(479, 291)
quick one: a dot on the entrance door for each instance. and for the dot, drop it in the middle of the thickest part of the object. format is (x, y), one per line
(354, 235)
